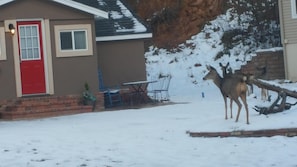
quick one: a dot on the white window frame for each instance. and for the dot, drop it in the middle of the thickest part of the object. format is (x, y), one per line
(294, 9)
(38, 44)
(74, 52)
(2, 44)
(73, 40)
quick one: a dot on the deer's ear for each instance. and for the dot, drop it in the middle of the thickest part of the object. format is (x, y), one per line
(221, 65)
(227, 64)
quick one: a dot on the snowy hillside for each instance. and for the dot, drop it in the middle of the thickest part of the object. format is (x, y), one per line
(187, 62)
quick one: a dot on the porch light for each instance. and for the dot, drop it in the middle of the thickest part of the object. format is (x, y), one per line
(11, 29)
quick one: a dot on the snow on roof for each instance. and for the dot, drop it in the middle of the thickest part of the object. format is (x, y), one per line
(122, 24)
(138, 27)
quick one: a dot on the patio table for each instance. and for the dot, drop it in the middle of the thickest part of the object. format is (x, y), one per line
(139, 90)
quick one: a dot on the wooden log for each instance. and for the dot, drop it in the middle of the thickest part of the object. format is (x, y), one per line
(288, 132)
(275, 88)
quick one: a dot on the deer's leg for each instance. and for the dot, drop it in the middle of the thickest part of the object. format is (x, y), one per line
(225, 101)
(239, 108)
(231, 107)
(243, 98)
(252, 88)
(264, 94)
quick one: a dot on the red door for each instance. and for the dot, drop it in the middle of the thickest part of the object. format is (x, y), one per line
(31, 57)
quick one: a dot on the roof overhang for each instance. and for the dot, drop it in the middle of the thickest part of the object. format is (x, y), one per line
(83, 7)
(124, 37)
(75, 5)
(3, 2)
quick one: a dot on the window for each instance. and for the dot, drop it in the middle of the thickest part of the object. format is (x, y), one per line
(73, 40)
(294, 9)
(2, 44)
(29, 42)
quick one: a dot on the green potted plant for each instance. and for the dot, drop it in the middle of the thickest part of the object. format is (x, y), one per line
(88, 97)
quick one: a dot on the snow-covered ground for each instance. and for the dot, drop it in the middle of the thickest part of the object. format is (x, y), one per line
(149, 137)
(156, 136)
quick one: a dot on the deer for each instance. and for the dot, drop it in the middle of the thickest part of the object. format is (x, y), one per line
(231, 87)
(227, 71)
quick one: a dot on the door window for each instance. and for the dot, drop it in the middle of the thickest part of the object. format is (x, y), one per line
(29, 42)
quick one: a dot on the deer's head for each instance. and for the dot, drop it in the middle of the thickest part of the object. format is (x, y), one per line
(212, 74)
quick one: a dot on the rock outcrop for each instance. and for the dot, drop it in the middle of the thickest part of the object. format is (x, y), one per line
(174, 21)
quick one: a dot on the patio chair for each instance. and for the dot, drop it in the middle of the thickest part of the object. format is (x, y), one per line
(112, 96)
(160, 89)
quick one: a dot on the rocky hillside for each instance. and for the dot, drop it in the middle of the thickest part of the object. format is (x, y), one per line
(175, 21)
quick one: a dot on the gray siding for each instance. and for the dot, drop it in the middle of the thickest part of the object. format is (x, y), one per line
(289, 23)
(7, 79)
(121, 61)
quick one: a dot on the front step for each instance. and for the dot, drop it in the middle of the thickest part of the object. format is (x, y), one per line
(40, 107)
(19, 115)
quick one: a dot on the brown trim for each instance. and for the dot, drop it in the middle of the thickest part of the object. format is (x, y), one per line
(2, 44)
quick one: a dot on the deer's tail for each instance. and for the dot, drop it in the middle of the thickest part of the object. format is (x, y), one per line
(243, 79)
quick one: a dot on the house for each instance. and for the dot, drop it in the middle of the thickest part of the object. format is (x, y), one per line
(288, 22)
(51, 48)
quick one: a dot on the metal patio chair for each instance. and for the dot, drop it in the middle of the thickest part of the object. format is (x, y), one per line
(112, 96)
(160, 89)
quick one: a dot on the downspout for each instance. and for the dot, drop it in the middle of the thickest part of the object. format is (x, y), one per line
(283, 40)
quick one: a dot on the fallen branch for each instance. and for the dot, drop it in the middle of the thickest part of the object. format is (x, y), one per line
(275, 88)
(282, 95)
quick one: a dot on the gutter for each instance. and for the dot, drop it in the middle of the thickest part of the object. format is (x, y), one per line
(124, 37)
